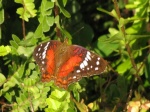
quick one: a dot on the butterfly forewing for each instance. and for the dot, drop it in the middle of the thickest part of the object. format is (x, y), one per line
(44, 55)
(92, 64)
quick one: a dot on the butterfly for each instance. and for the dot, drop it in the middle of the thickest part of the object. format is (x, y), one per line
(65, 64)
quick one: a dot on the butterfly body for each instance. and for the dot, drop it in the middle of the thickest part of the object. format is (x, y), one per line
(62, 51)
(65, 63)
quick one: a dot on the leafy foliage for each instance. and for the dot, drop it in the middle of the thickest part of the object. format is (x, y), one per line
(119, 34)
(27, 10)
(4, 50)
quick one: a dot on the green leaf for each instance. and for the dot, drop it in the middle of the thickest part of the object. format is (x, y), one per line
(8, 97)
(81, 106)
(50, 21)
(46, 21)
(14, 51)
(30, 7)
(36, 103)
(39, 32)
(2, 79)
(1, 13)
(65, 2)
(45, 26)
(123, 67)
(58, 101)
(25, 51)
(22, 14)
(29, 40)
(131, 6)
(27, 11)
(53, 103)
(116, 37)
(61, 6)
(58, 94)
(65, 12)
(31, 66)
(46, 16)
(4, 50)
(20, 72)
(34, 90)
(13, 43)
(105, 11)
(66, 33)
(15, 38)
(48, 5)
(101, 45)
(19, 1)
(130, 38)
(9, 84)
(30, 82)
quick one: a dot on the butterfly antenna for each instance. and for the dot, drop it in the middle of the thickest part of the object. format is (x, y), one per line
(78, 30)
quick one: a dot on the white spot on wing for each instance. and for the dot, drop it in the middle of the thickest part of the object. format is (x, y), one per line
(98, 58)
(85, 63)
(39, 48)
(74, 77)
(86, 59)
(46, 46)
(88, 55)
(45, 49)
(43, 56)
(48, 43)
(96, 68)
(81, 66)
(43, 62)
(78, 71)
(97, 62)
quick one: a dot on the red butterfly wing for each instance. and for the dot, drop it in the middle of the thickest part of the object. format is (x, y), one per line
(66, 64)
(81, 63)
(44, 54)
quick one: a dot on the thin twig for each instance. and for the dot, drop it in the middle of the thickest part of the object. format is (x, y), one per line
(56, 11)
(129, 51)
(119, 15)
(127, 44)
(31, 105)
